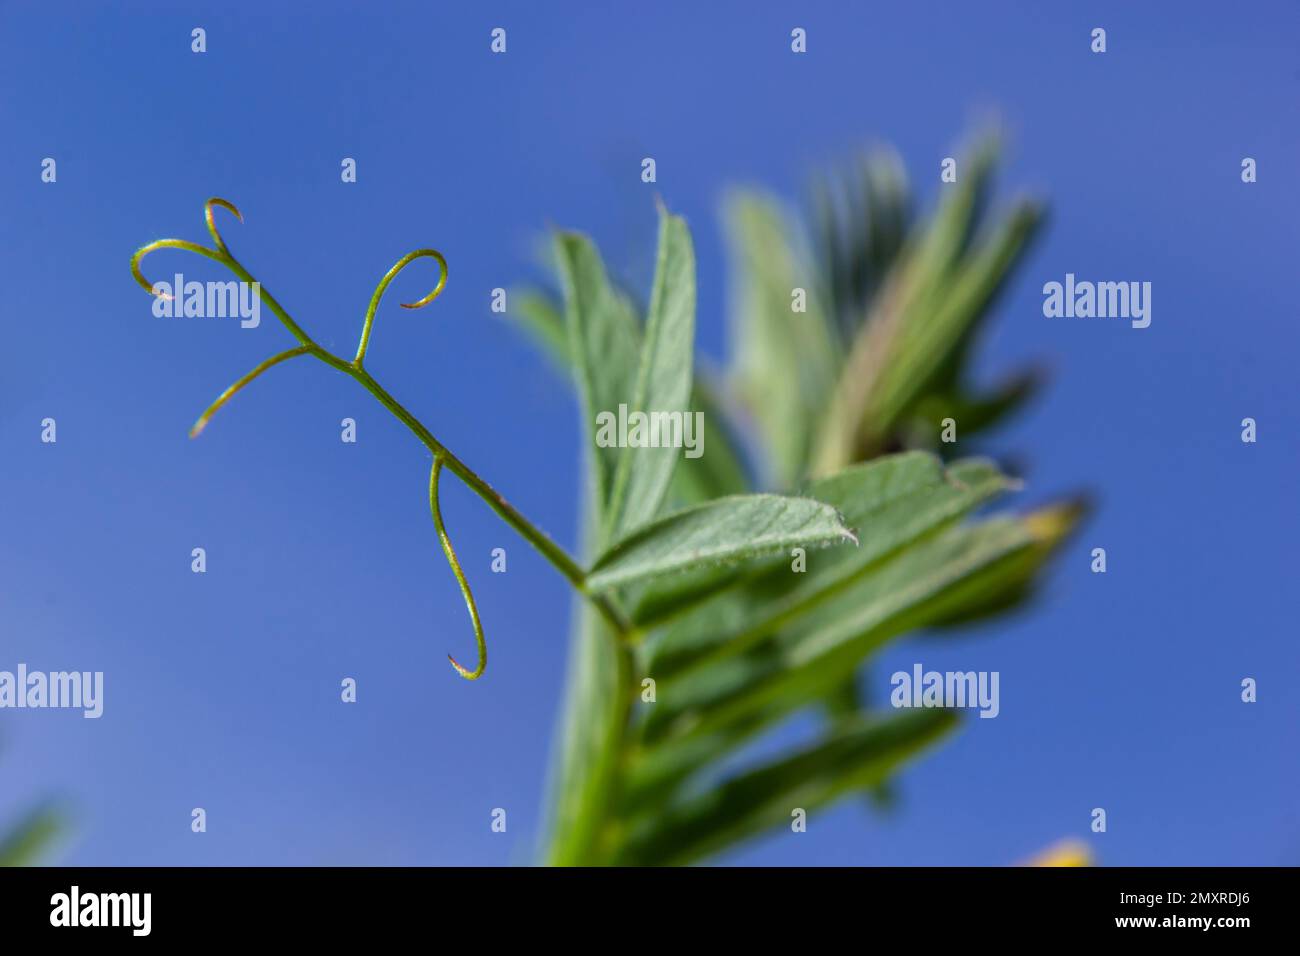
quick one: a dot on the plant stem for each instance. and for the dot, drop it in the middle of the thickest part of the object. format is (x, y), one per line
(530, 532)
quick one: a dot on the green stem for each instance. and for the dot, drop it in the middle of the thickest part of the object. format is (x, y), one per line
(553, 553)
(234, 266)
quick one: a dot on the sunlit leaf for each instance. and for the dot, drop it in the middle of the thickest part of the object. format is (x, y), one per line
(890, 503)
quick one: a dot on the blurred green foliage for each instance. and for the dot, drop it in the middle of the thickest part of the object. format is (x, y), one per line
(852, 335)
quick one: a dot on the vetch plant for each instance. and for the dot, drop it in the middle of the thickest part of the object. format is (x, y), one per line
(717, 604)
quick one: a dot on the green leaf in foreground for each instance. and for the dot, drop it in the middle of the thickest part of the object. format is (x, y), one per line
(728, 529)
(890, 503)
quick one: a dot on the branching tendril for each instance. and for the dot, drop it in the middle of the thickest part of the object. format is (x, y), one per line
(441, 456)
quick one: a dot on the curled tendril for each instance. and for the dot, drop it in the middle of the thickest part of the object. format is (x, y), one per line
(167, 244)
(219, 254)
(452, 560)
(380, 289)
(212, 225)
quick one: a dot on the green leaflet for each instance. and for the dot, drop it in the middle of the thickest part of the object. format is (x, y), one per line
(890, 503)
(591, 740)
(603, 345)
(721, 470)
(974, 411)
(664, 599)
(926, 344)
(1005, 588)
(636, 478)
(856, 492)
(848, 701)
(721, 531)
(603, 337)
(917, 335)
(794, 667)
(857, 755)
(653, 774)
(543, 319)
(864, 491)
(642, 475)
(861, 218)
(993, 586)
(970, 570)
(785, 361)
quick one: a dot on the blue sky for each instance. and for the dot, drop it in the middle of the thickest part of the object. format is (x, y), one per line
(1118, 691)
